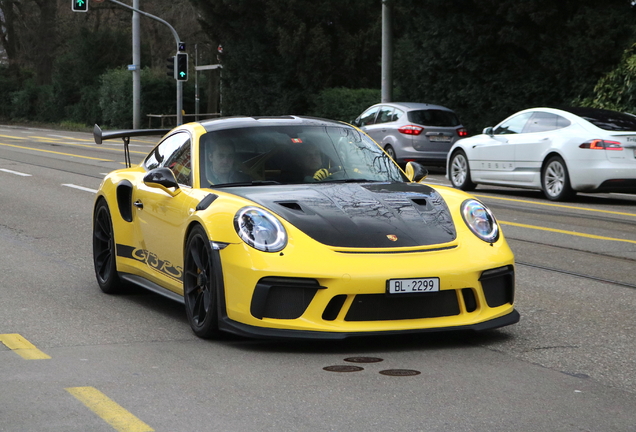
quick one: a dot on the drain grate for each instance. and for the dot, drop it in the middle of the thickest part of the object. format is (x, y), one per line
(343, 368)
(363, 359)
(400, 372)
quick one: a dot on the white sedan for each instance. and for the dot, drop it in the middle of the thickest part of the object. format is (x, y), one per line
(558, 151)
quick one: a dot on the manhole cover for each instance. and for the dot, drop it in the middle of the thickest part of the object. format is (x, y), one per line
(363, 359)
(400, 372)
(343, 368)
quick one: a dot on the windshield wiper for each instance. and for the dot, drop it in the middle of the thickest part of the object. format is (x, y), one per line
(252, 183)
(350, 180)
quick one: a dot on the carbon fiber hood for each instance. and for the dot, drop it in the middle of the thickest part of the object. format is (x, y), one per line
(360, 215)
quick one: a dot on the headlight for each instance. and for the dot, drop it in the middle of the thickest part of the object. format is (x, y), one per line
(480, 220)
(260, 229)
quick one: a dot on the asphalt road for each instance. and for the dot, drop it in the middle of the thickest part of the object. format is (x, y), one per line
(75, 359)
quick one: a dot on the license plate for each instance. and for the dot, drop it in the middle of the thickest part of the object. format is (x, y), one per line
(412, 286)
(439, 138)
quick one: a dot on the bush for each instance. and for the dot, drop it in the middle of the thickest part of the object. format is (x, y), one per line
(34, 103)
(158, 96)
(615, 91)
(344, 104)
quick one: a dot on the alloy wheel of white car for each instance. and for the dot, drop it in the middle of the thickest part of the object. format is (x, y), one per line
(555, 180)
(460, 173)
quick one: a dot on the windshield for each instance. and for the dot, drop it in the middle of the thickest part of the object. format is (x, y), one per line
(292, 154)
(433, 117)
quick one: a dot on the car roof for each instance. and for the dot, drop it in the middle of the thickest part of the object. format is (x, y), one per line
(415, 106)
(246, 122)
(601, 118)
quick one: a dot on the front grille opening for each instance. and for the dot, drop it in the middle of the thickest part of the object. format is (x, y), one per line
(499, 286)
(283, 298)
(383, 307)
(333, 308)
(470, 302)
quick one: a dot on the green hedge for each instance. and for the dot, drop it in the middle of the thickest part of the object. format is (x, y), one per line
(343, 104)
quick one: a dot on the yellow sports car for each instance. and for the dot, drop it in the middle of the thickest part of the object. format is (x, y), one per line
(292, 227)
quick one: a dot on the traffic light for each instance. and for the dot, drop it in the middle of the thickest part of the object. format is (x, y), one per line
(79, 5)
(182, 66)
(170, 66)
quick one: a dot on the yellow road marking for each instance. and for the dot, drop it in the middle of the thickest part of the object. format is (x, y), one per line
(574, 233)
(108, 410)
(59, 153)
(22, 347)
(556, 205)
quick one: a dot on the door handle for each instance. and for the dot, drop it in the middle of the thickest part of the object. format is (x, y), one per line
(138, 204)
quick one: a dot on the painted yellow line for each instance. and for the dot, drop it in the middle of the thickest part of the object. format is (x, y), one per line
(574, 233)
(556, 205)
(59, 153)
(108, 410)
(13, 137)
(22, 347)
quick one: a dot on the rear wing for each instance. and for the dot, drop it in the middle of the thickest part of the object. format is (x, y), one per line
(125, 135)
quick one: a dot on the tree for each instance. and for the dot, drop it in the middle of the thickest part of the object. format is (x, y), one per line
(281, 53)
(489, 58)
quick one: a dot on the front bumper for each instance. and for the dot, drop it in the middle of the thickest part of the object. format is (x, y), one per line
(240, 329)
(336, 295)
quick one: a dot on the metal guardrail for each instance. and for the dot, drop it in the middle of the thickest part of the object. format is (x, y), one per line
(163, 117)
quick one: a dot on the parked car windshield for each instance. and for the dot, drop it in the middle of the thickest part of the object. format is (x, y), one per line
(433, 117)
(292, 154)
(606, 119)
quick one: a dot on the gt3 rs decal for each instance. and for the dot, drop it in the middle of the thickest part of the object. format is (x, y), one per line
(151, 260)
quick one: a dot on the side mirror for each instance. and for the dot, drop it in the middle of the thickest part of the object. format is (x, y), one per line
(415, 172)
(356, 122)
(488, 131)
(163, 179)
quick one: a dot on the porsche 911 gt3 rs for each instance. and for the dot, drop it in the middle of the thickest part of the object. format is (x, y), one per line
(300, 228)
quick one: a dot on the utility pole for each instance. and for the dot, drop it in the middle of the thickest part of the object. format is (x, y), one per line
(387, 51)
(136, 73)
(179, 44)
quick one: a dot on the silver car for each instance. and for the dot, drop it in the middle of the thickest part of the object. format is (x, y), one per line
(416, 132)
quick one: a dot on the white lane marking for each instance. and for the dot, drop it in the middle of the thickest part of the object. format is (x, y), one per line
(15, 172)
(80, 188)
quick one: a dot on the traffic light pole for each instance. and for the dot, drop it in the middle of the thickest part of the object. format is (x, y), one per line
(176, 38)
(136, 73)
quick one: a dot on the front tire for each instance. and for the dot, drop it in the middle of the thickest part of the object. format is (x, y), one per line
(104, 252)
(555, 180)
(459, 172)
(199, 285)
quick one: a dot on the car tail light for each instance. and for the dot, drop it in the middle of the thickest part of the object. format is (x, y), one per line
(599, 144)
(411, 130)
(462, 132)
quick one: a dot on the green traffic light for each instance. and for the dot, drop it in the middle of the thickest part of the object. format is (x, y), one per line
(79, 5)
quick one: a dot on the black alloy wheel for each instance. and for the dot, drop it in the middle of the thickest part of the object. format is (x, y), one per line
(199, 285)
(104, 254)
